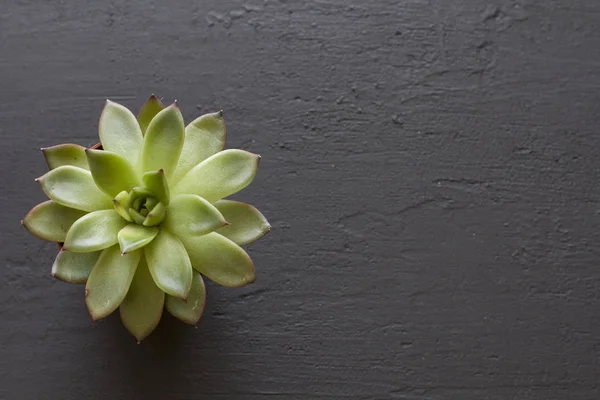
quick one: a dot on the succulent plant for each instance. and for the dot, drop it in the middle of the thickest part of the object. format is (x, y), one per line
(142, 216)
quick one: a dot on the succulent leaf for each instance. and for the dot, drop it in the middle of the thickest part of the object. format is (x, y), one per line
(156, 182)
(120, 203)
(74, 267)
(150, 108)
(191, 310)
(51, 221)
(136, 216)
(163, 141)
(109, 281)
(94, 231)
(246, 223)
(142, 308)
(120, 132)
(65, 154)
(190, 215)
(204, 137)
(74, 187)
(111, 172)
(169, 264)
(220, 175)
(134, 236)
(220, 259)
(156, 215)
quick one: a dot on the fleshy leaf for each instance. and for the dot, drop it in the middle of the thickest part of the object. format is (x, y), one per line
(94, 231)
(219, 176)
(120, 132)
(134, 236)
(163, 141)
(169, 264)
(204, 137)
(156, 182)
(111, 172)
(246, 223)
(189, 214)
(191, 310)
(152, 107)
(156, 216)
(65, 154)
(121, 202)
(51, 221)
(74, 187)
(220, 259)
(74, 267)
(109, 281)
(142, 308)
(136, 216)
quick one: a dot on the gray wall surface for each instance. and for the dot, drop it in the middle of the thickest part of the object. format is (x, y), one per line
(430, 169)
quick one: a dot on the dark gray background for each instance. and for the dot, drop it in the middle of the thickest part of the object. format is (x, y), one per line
(430, 169)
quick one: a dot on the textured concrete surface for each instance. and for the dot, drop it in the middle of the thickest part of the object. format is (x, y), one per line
(430, 169)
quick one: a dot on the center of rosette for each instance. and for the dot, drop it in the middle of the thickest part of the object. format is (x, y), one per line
(140, 206)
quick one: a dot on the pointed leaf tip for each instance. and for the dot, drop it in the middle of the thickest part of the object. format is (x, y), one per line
(247, 223)
(51, 221)
(163, 141)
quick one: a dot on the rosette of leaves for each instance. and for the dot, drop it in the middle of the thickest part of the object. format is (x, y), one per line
(143, 219)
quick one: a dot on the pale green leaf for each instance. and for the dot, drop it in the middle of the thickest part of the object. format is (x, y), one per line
(109, 281)
(120, 132)
(51, 221)
(150, 108)
(220, 259)
(65, 154)
(74, 187)
(136, 216)
(156, 215)
(220, 175)
(111, 172)
(191, 310)
(121, 204)
(135, 236)
(189, 214)
(204, 137)
(246, 223)
(142, 308)
(163, 141)
(169, 264)
(74, 267)
(156, 182)
(94, 231)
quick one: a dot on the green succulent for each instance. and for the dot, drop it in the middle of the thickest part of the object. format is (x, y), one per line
(143, 218)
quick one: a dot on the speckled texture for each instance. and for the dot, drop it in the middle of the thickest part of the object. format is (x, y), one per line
(430, 169)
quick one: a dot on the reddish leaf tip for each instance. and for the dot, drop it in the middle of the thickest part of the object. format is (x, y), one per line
(225, 223)
(22, 223)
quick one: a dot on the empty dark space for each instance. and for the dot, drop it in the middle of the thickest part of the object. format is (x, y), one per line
(430, 169)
